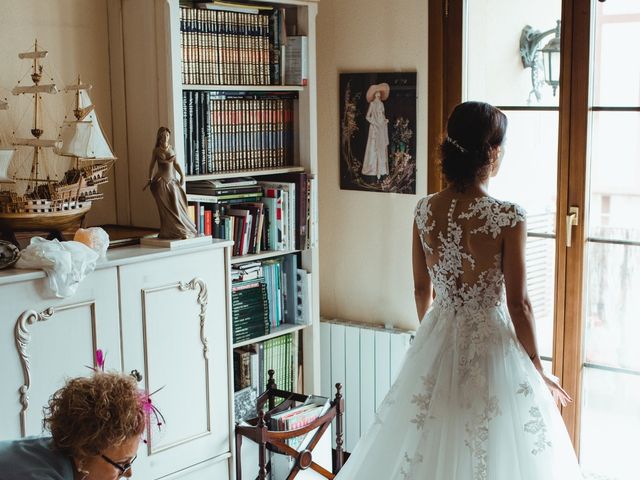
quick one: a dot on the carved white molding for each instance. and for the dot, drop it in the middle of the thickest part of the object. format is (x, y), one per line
(22, 339)
(203, 300)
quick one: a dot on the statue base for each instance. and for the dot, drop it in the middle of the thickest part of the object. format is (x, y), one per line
(156, 242)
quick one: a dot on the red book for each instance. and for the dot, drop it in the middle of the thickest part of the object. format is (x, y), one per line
(207, 222)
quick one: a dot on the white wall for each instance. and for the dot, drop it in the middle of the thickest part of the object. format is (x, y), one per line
(365, 237)
(75, 34)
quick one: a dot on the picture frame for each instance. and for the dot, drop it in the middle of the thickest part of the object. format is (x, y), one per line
(378, 132)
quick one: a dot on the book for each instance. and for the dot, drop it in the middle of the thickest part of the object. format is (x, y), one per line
(301, 180)
(303, 314)
(296, 71)
(287, 192)
(245, 404)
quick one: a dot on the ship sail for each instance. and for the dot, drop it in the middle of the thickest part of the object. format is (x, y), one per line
(75, 140)
(34, 54)
(83, 138)
(47, 88)
(6, 154)
(34, 142)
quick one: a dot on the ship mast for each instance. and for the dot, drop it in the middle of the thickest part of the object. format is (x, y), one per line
(36, 76)
(36, 143)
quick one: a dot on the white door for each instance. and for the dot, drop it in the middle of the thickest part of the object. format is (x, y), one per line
(175, 335)
(45, 340)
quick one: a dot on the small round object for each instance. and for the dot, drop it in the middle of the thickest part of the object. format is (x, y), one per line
(9, 254)
(304, 459)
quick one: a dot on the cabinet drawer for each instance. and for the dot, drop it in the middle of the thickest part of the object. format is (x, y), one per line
(216, 469)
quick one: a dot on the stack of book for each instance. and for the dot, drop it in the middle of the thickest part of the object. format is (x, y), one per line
(279, 276)
(250, 310)
(235, 131)
(247, 271)
(274, 215)
(207, 198)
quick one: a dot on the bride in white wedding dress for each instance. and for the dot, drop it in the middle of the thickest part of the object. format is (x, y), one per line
(472, 401)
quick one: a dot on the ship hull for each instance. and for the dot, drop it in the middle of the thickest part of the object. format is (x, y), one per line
(43, 221)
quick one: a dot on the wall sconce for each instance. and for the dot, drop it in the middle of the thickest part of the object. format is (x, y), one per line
(548, 65)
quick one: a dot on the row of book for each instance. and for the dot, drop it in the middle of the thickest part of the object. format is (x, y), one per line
(235, 131)
(267, 294)
(224, 44)
(253, 362)
(271, 215)
(251, 365)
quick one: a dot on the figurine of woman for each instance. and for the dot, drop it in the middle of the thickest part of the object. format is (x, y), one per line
(376, 158)
(167, 190)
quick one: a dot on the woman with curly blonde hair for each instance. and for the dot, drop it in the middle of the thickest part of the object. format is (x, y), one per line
(96, 425)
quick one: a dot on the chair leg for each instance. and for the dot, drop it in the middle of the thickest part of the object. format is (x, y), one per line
(238, 457)
(339, 401)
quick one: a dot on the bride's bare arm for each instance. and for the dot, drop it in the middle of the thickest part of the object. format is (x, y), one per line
(515, 279)
(422, 287)
(519, 305)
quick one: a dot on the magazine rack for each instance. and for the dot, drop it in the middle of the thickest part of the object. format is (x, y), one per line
(275, 441)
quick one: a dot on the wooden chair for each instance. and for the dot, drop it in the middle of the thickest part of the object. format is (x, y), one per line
(276, 441)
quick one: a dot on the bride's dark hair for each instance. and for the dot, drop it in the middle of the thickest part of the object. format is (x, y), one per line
(473, 129)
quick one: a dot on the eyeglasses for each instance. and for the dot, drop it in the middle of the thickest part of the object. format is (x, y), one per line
(124, 468)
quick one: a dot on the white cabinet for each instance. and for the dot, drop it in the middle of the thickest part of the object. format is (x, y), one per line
(160, 312)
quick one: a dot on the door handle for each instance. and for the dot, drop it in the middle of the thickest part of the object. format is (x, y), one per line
(572, 220)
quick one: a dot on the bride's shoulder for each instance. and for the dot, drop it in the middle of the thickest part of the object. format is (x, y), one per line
(511, 209)
(422, 207)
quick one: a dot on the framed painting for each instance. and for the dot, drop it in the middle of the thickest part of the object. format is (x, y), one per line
(378, 132)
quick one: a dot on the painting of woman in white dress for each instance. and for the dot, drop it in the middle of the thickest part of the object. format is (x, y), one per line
(377, 132)
(376, 157)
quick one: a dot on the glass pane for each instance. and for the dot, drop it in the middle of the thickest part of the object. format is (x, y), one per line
(610, 425)
(612, 329)
(494, 70)
(616, 74)
(540, 284)
(615, 175)
(531, 153)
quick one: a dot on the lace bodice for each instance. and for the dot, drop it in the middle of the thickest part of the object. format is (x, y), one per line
(463, 248)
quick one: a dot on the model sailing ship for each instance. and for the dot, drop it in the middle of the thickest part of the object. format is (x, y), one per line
(46, 204)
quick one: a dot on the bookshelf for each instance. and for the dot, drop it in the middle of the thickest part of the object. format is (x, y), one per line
(245, 88)
(261, 256)
(148, 91)
(300, 15)
(276, 332)
(240, 173)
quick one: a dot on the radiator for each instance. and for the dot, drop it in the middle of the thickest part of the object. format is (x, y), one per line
(365, 360)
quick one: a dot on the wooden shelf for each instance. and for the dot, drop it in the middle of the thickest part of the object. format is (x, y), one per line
(244, 173)
(261, 256)
(244, 88)
(276, 332)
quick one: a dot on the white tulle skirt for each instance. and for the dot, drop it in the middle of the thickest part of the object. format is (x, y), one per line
(467, 405)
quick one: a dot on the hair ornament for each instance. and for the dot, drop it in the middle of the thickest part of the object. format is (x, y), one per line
(460, 148)
(153, 416)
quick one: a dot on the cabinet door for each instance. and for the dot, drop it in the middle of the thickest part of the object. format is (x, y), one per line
(44, 340)
(175, 334)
